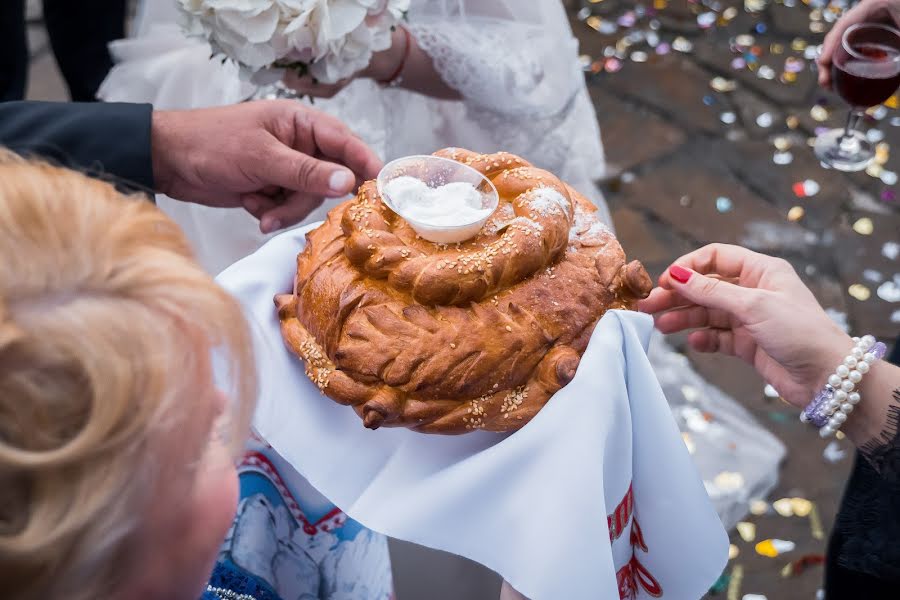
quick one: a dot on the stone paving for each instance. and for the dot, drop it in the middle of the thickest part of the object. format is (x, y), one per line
(670, 158)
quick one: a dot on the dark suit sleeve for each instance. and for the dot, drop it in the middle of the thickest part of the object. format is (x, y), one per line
(100, 138)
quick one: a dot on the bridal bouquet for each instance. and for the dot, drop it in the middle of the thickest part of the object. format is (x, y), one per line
(329, 39)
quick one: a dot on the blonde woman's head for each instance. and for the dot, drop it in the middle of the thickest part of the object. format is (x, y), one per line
(112, 480)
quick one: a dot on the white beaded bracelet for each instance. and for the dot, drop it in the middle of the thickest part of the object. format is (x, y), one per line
(830, 408)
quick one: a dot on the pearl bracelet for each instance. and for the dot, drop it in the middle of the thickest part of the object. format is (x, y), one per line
(829, 409)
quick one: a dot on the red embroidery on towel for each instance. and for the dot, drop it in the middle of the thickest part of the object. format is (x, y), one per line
(633, 575)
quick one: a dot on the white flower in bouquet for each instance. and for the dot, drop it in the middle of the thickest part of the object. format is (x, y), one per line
(330, 39)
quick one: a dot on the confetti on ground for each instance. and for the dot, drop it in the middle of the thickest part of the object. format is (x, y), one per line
(723, 204)
(782, 158)
(864, 226)
(746, 530)
(733, 551)
(889, 291)
(771, 392)
(815, 523)
(734, 584)
(720, 84)
(774, 547)
(802, 507)
(859, 292)
(833, 452)
(759, 507)
(806, 188)
(796, 567)
(796, 213)
(783, 507)
(754, 597)
(890, 250)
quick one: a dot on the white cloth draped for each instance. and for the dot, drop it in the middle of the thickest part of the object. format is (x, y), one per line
(552, 508)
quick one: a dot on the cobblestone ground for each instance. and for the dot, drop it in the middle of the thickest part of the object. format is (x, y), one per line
(673, 159)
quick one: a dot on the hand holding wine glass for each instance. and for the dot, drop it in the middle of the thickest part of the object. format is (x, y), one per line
(865, 71)
(867, 11)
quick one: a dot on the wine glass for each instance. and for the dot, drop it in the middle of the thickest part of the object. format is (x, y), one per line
(865, 71)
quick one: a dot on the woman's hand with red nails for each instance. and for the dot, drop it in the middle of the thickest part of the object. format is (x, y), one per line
(753, 306)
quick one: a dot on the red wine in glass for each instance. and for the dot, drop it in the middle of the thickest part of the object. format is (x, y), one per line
(865, 72)
(870, 77)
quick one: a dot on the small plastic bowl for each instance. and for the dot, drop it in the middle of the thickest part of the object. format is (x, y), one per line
(435, 172)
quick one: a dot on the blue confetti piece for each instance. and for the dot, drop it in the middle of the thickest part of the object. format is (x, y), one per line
(709, 100)
(723, 204)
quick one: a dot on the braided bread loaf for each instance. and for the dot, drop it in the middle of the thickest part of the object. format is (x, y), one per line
(447, 339)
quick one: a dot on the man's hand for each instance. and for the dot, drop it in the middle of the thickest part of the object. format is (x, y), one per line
(276, 158)
(867, 11)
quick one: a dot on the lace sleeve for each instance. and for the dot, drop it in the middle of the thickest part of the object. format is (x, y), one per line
(883, 452)
(868, 524)
(509, 67)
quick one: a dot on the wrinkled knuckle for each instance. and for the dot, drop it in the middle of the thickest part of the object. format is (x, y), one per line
(709, 286)
(306, 173)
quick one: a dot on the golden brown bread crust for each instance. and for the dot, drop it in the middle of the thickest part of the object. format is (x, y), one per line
(447, 339)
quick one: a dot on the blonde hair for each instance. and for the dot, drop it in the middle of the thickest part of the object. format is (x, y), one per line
(106, 322)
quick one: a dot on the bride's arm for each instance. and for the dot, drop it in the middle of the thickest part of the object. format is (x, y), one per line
(411, 66)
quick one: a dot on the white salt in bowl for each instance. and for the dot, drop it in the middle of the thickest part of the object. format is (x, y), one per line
(436, 172)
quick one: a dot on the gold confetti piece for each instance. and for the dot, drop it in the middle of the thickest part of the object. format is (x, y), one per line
(746, 530)
(688, 442)
(793, 122)
(864, 226)
(766, 548)
(660, 4)
(759, 507)
(787, 570)
(818, 113)
(839, 434)
(892, 102)
(798, 45)
(817, 27)
(783, 507)
(734, 584)
(815, 523)
(882, 153)
(782, 143)
(796, 213)
(729, 13)
(860, 292)
(788, 77)
(720, 84)
(776, 48)
(874, 170)
(733, 551)
(802, 507)
(594, 22)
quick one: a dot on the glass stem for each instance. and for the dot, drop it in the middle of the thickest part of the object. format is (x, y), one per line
(850, 127)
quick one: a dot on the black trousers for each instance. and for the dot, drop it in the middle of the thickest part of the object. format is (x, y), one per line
(79, 32)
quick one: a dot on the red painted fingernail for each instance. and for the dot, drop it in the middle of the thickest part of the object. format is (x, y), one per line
(680, 274)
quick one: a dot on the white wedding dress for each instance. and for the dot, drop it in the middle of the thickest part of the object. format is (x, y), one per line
(515, 65)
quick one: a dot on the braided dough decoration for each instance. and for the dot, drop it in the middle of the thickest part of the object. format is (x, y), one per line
(451, 338)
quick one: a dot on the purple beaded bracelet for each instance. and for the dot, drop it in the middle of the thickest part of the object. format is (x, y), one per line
(830, 407)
